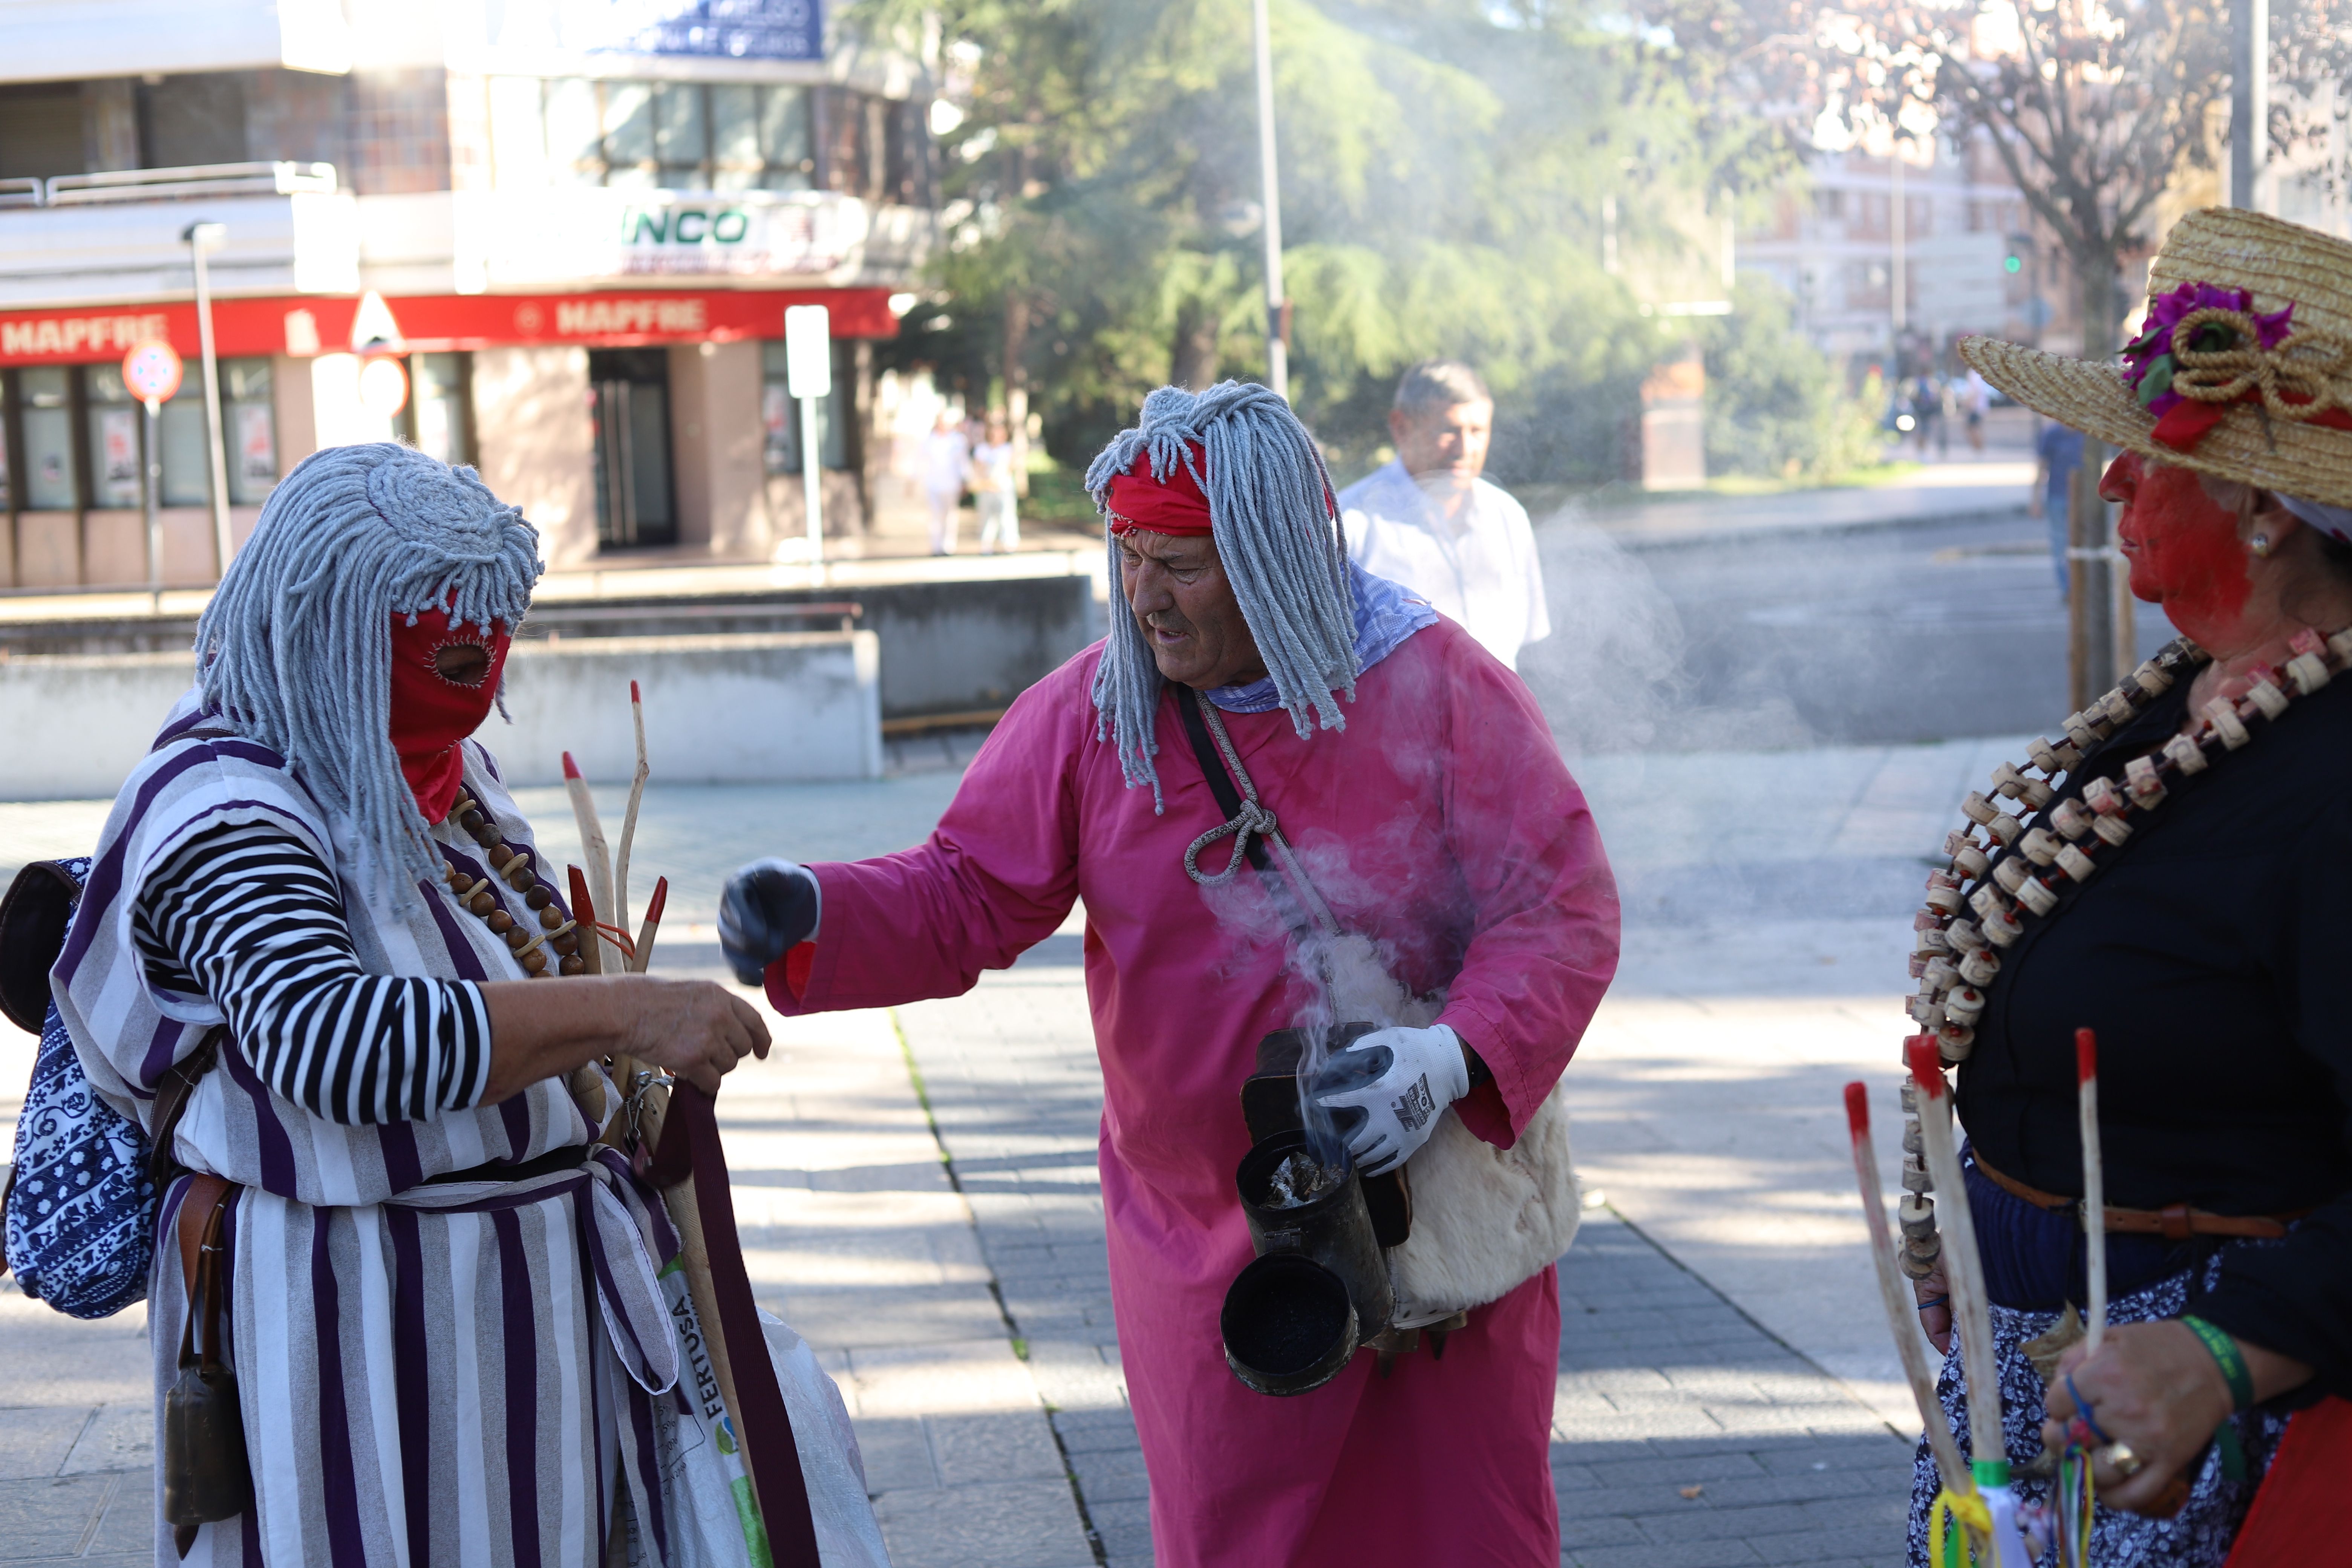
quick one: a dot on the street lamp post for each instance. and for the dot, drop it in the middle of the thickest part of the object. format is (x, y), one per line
(1277, 352)
(202, 237)
(2250, 101)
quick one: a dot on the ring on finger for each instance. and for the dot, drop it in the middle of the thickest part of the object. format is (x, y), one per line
(2121, 1459)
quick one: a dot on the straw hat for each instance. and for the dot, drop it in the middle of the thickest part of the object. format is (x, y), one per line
(2268, 384)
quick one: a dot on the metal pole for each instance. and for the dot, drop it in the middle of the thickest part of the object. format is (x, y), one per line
(199, 236)
(1277, 352)
(1898, 289)
(2249, 102)
(153, 471)
(811, 481)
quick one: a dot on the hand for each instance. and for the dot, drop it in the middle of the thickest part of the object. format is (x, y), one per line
(693, 1029)
(1399, 1079)
(2155, 1388)
(1935, 1321)
(768, 908)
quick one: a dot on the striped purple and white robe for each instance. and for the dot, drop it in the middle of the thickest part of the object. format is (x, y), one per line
(446, 1374)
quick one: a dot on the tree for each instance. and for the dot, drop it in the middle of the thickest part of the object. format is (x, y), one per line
(1446, 168)
(2095, 108)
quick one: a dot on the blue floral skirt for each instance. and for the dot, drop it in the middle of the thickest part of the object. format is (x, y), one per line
(2199, 1535)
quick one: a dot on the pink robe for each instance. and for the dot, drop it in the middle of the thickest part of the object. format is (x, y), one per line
(1443, 822)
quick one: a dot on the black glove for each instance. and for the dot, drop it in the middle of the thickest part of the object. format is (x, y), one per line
(768, 907)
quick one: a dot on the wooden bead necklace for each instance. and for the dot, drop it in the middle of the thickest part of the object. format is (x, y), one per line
(513, 865)
(1954, 957)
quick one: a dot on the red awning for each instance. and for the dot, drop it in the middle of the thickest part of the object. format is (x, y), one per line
(309, 324)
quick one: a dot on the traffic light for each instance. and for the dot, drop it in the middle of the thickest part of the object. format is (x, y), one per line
(2013, 264)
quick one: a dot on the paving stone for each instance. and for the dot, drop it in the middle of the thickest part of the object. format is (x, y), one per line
(36, 1441)
(1009, 1524)
(1010, 1448)
(51, 1517)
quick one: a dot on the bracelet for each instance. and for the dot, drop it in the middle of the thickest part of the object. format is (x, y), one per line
(1938, 1301)
(2232, 1360)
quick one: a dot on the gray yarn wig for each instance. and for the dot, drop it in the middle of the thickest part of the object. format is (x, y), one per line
(295, 649)
(1270, 516)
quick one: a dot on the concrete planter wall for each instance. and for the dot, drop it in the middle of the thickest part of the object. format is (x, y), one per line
(718, 710)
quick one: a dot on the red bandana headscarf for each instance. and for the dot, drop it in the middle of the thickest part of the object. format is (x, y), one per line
(1175, 505)
(432, 713)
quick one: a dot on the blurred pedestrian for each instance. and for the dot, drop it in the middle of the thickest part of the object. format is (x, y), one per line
(1426, 518)
(993, 491)
(947, 463)
(2058, 452)
(1976, 400)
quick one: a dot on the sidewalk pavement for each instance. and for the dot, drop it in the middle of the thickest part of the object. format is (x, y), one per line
(917, 1193)
(1955, 491)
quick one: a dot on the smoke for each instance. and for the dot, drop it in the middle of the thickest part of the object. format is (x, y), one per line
(1616, 675)
(1348, 978)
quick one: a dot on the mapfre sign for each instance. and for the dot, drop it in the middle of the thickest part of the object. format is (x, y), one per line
(72, 337)
(309, 325)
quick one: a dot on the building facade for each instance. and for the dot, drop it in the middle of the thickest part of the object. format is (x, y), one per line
(1963, 247)
(554, 239)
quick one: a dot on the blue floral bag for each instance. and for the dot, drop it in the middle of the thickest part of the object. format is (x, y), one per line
(81, 1198)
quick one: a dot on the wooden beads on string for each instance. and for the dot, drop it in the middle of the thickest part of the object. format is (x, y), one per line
(513, 866)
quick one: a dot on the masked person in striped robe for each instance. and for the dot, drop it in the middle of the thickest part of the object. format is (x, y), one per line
(442, 1311)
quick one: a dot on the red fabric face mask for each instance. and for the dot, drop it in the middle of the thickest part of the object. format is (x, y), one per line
(431, 713)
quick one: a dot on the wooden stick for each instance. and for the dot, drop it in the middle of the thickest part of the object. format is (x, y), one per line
(1963, 1266)
(592, 850)
(629, 821)
(1902, 1316)
(583, 920)
(643, 957)
(2095, 1184)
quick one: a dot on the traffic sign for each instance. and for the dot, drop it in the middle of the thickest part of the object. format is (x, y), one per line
(152, 371)
(808, 351)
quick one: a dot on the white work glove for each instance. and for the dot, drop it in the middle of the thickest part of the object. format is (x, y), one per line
(1412, 1075)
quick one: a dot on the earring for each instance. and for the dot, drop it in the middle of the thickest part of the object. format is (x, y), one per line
(2262, 544)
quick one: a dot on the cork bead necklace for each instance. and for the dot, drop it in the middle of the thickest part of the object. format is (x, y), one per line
(1979, 901)
(513, 865)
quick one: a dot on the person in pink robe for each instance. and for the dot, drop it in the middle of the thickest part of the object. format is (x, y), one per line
(1441, 822)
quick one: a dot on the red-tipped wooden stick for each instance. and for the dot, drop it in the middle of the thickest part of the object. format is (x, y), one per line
(583, 916)
(2095, 1183)
(620, 911)
(640, 961)
(1902, 1316)
(1963, 1264)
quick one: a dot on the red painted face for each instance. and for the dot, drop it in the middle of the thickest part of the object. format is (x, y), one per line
(2183, 546)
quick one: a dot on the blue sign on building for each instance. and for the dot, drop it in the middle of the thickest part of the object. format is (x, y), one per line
(728, 29)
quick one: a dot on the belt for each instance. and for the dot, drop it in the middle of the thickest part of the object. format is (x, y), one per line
(571, 1157)
(2174, 1222)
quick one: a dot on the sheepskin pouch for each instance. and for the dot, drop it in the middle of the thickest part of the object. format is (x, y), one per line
(1484, 1220)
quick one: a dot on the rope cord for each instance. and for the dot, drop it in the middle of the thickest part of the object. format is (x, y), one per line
(1253, 817)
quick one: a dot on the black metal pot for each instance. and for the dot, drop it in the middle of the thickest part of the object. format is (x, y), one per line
(1288, 1324)
(1333, 1230)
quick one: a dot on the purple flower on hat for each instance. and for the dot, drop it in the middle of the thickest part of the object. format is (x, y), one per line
(2148, 363)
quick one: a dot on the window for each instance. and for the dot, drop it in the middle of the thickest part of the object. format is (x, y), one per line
(439, 418)
(650, 135)
(113, 415)
(50, 480)
(249, 429)
(780, 416)
(38, 455)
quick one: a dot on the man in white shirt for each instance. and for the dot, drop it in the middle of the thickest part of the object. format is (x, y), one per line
(1426, 520)
(947, 463)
